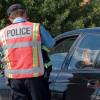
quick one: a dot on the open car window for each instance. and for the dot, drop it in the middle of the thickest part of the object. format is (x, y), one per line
(63, 46)
(59, 52)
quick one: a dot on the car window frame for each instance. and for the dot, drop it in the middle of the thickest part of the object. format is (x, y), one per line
(71, 51)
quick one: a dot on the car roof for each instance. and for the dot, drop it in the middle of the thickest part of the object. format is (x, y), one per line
(77, 32)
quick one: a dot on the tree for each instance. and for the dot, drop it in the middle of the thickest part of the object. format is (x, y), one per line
(57, 16)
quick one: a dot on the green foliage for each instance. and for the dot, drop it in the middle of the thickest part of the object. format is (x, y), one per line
(57, 15)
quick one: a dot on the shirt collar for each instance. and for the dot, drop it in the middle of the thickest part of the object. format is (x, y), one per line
(19, 19)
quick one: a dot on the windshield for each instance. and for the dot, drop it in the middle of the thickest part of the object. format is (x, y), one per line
(87, 53)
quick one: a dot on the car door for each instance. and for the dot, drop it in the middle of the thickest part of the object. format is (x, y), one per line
(59, 78)
(76, 88)
(84, 63)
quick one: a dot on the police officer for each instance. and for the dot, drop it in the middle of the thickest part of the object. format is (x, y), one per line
(48, 69)
(47, 62)
(21, 43)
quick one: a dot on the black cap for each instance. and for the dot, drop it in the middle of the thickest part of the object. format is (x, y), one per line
(14, 7)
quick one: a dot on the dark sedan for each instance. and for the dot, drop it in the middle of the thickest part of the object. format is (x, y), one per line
(76, 69)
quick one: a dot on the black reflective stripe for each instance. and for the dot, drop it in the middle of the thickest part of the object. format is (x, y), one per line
(45, 48)
(47, 65)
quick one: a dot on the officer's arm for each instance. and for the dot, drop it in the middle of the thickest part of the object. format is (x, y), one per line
(47, 39)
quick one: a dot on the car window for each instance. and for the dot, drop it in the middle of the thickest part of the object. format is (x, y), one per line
(91, 41)
(87, 53)
(63, 46)
(59, 52)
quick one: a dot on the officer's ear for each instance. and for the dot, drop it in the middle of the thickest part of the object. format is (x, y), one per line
(25, 16)
(11, 19)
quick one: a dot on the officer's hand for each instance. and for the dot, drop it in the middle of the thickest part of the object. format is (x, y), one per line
(47, 72)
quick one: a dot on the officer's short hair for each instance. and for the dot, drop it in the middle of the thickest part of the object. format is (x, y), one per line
(15, 9)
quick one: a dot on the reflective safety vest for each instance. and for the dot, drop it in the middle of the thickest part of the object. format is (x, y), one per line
(21, 44)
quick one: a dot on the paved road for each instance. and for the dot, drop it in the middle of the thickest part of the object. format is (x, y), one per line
(4, 90)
